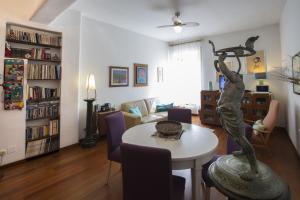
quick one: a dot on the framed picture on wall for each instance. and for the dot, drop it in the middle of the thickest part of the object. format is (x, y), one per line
(160, 74)
(296, 73)
(140, 75)
(118, 76)
(256, 63)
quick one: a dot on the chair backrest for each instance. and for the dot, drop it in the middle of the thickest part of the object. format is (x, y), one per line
(147, 173)
(116, 127)
(180, 114)
(233, 146)
(271, 118)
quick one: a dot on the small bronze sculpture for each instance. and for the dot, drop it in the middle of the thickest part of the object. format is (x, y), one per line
(229, 104)
(241, 176)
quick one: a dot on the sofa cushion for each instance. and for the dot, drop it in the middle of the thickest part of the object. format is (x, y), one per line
(152, 118)
(136, 111)
(162, 114)
(164, 107)
(151, 104)
(140, 104)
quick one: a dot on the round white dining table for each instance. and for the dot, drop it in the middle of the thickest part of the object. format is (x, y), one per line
(196, 147)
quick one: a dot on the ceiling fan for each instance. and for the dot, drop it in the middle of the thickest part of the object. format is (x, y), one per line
(178, 24)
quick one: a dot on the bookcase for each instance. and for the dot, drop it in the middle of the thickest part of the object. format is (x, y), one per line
(42, 49)
(254, 105)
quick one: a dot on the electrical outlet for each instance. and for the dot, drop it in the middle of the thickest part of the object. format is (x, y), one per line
(3, 152)
(11, 149)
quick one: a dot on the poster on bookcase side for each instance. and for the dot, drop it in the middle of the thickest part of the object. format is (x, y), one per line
(13, 84)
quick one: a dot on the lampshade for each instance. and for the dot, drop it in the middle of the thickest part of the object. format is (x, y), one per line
(260, 76)
(90, 82)
(90, 86)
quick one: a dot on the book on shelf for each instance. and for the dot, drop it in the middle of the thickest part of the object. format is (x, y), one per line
(33, 37)
(36, 132)
(43, 54)
(54, 127)
(41, 111)
(37, 93)
(39, 132)
(42, 71)
(39, 147)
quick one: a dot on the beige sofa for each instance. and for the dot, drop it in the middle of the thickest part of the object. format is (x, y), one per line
(147, 108)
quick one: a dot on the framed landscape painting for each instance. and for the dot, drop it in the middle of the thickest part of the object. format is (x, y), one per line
(140, 75)
(118, 76)
(296, 73)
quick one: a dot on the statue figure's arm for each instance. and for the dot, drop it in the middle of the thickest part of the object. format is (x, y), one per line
(224, 69)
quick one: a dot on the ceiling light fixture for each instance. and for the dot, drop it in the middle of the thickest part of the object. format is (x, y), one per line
(177, 29)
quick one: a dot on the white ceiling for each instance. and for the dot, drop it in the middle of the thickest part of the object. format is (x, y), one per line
(20, 9)
(50, 10)
(214, 16)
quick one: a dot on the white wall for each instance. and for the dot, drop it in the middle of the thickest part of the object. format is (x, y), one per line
(269, 41)
(12, 123)
(104, 45)
(290, 42)
(69, 23)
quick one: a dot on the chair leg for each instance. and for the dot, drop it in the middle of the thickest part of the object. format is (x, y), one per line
(108, 173)
(206, 191)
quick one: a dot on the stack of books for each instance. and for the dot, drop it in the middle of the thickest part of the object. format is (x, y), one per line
(39, 93)
(36, 132)
(33, 37)
(42, 71)
(37, 147)
(40, 111)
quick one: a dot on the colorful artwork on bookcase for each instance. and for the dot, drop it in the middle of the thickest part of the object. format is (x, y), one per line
(13, 84)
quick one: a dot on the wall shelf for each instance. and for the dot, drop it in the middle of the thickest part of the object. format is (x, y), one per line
(33, 44)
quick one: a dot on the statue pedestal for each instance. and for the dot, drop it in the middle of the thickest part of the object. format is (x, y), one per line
(225, 174)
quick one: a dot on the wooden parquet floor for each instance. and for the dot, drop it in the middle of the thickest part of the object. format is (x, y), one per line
(76, 173)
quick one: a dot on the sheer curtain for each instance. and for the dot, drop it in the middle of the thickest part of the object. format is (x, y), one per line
(183, 77)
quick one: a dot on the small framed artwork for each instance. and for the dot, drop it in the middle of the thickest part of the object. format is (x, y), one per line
(256, 63)
(160, 74)
(296, 73)
(140, 75)
(118, 76)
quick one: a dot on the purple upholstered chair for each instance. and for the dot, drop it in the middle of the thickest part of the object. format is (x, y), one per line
(116, 127)
(180, 114)
(147, 174)
(231, 147)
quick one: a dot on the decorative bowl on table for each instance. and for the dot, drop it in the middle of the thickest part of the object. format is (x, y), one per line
(168, 128)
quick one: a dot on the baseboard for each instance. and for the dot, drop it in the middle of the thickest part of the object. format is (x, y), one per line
(29, 159)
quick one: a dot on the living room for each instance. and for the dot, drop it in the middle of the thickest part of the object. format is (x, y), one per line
(99, 37)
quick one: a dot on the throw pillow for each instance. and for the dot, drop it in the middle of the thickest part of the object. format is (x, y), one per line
(136, 111)
(164, 107)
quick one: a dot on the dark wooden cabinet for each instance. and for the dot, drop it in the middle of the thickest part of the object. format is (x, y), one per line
(101, 124)
(254, 105)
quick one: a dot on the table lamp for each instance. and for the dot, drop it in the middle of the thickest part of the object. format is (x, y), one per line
(261, 87)
(90, 139)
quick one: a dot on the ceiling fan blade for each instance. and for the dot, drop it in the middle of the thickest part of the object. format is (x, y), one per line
(190, 24)
(165, 26)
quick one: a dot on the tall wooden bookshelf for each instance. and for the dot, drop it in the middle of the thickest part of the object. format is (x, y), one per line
(42, 49)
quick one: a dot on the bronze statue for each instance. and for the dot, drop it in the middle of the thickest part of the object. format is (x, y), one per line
(229, 104)
(240, 176)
